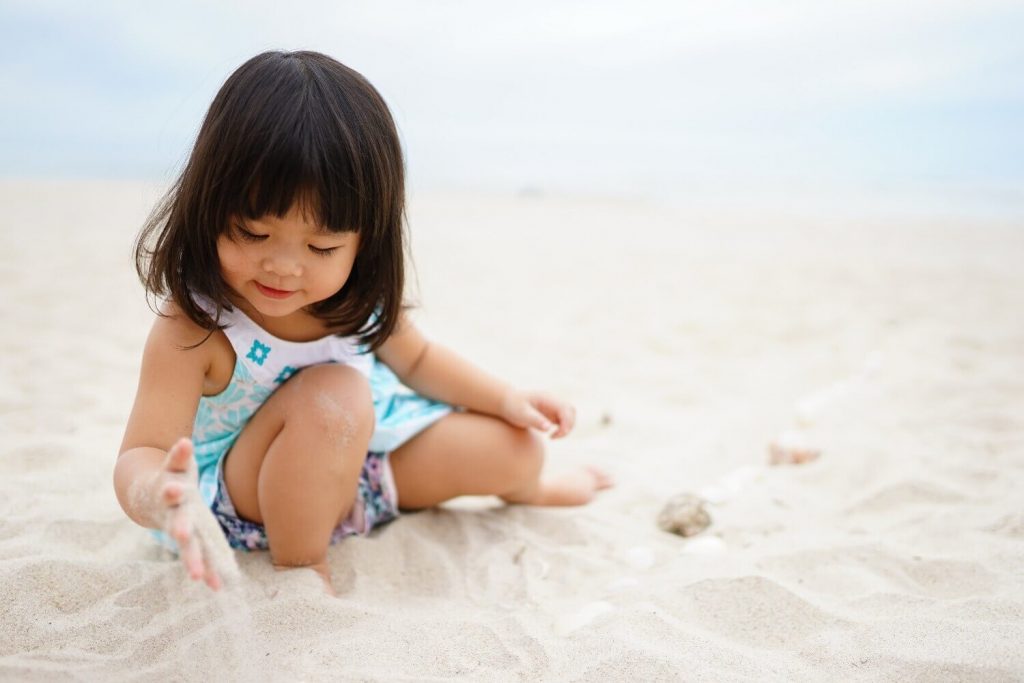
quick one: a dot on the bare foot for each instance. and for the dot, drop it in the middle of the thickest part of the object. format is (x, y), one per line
(576, 487)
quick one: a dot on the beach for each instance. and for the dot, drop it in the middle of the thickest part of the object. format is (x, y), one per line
(689, 339)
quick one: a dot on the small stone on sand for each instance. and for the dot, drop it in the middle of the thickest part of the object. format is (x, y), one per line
(684, 514)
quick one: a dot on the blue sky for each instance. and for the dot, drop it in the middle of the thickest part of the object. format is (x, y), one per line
(631, 98)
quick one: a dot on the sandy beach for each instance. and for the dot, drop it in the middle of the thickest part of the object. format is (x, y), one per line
(689, 340)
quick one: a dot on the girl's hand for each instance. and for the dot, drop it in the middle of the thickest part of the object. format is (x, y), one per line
(177, 493)
(540, 411)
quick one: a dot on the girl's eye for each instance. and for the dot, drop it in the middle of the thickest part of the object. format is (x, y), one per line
(322, 252)
(249, 236)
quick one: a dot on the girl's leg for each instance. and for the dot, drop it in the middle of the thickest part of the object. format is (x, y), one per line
(473, 454)
(296, 465)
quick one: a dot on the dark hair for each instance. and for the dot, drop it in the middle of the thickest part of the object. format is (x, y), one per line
(287, 128)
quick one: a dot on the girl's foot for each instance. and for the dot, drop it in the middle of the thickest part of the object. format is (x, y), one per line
(576, 487)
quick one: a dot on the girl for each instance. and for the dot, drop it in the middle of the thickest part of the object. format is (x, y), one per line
(272, 381)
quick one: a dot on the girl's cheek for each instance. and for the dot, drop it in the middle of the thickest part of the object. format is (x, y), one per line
(229, 254)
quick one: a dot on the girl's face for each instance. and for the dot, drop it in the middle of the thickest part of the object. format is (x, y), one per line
(281, 265)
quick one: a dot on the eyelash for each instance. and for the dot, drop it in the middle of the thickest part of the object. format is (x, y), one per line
(249, 236)
(253, 237)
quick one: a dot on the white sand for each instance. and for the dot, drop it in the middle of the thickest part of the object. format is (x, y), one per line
(688, 339)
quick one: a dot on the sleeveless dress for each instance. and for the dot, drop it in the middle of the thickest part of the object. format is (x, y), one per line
(264, 362)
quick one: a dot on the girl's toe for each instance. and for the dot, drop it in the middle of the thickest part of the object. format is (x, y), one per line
(602, 478)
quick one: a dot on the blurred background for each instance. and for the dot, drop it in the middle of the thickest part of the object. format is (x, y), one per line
(900, 105)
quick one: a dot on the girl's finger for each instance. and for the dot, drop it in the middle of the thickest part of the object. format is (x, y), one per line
(557, 410)
(173, 494)
(566, 421)
(213, 581)
(180, 455)
(537, 420)
(193, 558)
(212, 578)
(181, 526)
(556, 413)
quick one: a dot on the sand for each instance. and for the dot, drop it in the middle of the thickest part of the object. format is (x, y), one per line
(689, 339)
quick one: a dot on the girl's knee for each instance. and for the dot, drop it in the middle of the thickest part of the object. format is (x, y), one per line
(335, 399)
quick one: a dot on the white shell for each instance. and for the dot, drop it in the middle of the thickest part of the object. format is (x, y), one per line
(705, 545)
(640, 557)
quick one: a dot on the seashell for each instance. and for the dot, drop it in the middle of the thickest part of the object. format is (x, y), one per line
(705, 545)
(640, 557)
(791, 456)
(791, 448)
(684, 514)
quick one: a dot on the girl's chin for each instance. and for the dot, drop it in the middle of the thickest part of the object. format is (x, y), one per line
(273, 308)
(278, 311)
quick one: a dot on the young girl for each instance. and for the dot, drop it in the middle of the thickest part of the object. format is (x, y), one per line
(272, 381)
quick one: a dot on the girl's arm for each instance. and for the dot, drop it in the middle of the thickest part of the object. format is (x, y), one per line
(436, 371)
(155, 476)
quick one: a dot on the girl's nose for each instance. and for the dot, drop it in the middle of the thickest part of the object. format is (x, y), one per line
(282, 265)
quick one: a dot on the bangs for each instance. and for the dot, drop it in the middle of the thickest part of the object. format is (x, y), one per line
(288, 177)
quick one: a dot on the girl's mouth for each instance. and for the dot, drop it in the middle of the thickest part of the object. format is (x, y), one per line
(273, 293)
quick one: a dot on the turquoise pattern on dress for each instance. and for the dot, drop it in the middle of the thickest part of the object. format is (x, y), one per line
(286, 372)
(258, 353)
(220, 420)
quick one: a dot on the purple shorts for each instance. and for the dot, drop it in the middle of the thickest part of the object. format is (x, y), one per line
(376, 504)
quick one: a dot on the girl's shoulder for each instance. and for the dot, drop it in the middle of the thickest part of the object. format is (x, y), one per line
(179, 339)
(173, 325)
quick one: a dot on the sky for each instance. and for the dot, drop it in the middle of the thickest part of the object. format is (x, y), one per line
(922, 99)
